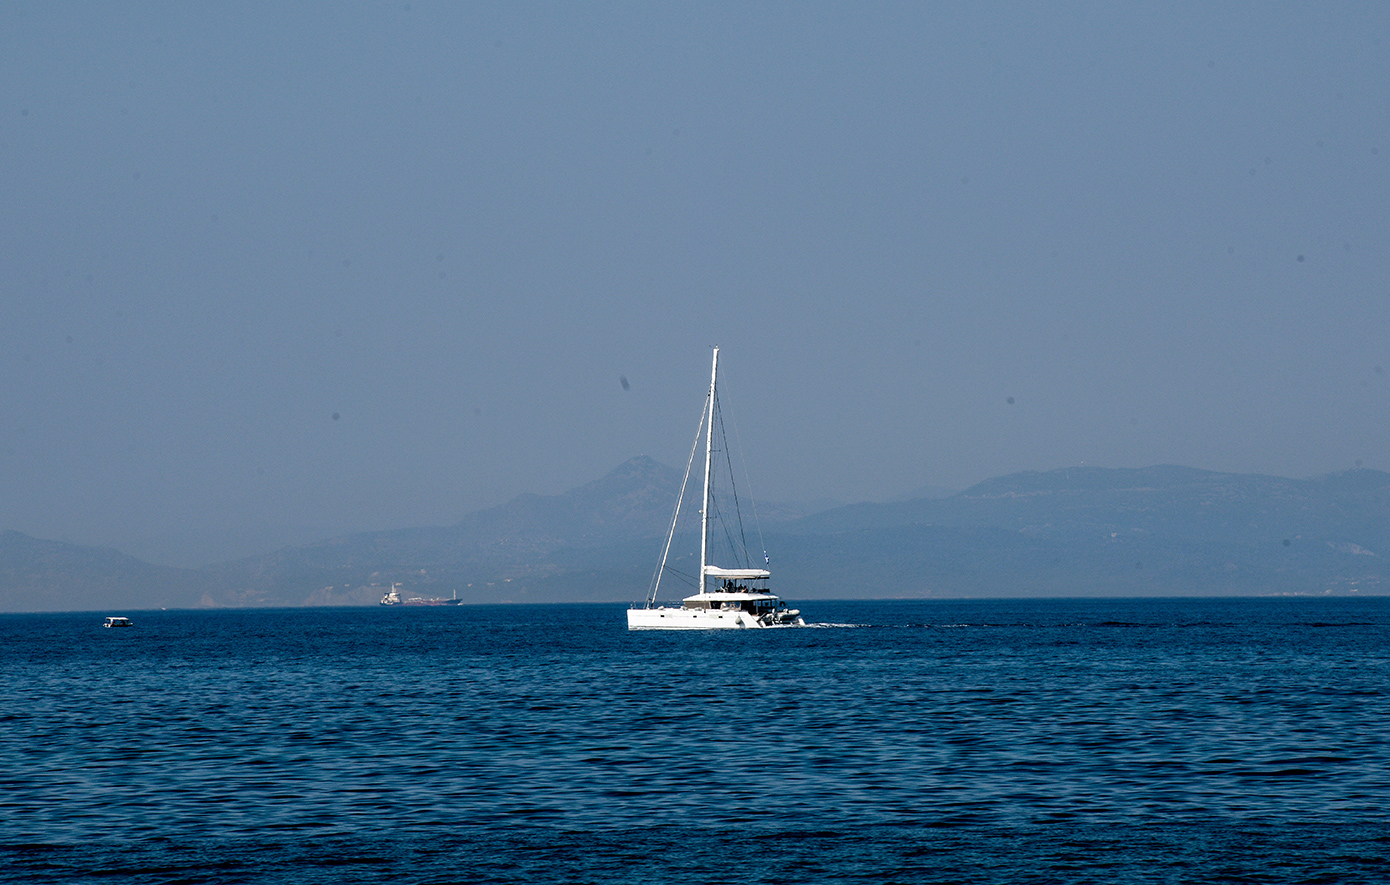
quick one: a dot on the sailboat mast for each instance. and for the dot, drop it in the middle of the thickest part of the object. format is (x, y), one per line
(709, 440)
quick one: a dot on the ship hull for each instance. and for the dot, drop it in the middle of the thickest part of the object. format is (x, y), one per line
(663, 618)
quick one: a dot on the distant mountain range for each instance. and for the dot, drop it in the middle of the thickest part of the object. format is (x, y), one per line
(1084, 531)
(37, 575)
(1080, 531)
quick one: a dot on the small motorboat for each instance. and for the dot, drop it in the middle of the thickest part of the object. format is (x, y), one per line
(119, 622)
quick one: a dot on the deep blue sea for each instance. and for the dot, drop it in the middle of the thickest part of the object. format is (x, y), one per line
(1114, 741)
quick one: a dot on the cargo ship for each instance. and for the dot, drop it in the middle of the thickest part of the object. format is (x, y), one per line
(394, 598)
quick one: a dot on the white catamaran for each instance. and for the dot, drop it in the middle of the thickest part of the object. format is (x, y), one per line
(742, 599)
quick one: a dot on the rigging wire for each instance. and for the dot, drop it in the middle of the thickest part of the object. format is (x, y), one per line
(661, 567)
(748, 484)
(738, 548)
(752, 501)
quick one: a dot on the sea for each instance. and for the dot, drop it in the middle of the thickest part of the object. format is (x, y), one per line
(913, 741)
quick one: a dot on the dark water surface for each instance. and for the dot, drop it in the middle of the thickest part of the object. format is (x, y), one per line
(1012, 741)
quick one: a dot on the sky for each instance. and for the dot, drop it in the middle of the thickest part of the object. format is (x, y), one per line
(271, 272)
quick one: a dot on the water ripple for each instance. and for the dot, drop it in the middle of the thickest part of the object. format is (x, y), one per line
(1099, 740)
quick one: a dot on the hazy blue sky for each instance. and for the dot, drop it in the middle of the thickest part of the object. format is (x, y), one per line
(269, 272)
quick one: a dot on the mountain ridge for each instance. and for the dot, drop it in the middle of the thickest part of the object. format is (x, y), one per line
(1160, 530)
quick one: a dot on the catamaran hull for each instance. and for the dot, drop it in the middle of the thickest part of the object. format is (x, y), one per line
(700, 619)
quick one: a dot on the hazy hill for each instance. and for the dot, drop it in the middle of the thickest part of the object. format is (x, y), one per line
(1077, 531)
(533, 548)
(1094, 531)
(1175, 502)
(38, 575)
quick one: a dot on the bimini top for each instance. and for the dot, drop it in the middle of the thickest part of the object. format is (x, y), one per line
(737, 574)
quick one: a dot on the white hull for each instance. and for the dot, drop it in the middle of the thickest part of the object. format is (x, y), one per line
(679, 618)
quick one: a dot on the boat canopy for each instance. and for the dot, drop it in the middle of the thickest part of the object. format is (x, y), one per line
(738, 574)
